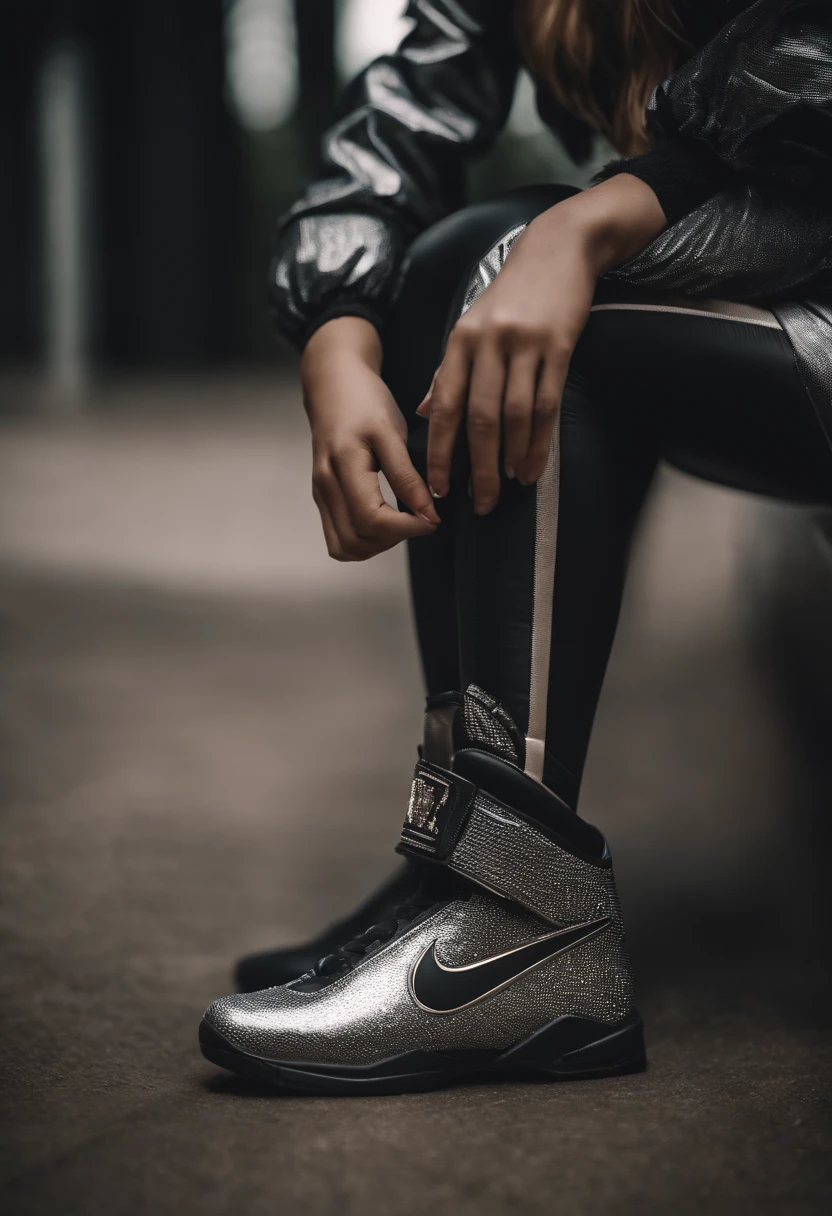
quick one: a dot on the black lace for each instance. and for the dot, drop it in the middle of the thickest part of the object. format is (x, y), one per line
(434, 887)
(353, 951)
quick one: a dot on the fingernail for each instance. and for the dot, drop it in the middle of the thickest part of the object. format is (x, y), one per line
(433, 493)
(485, 508)
(510, 474)
(433, 520)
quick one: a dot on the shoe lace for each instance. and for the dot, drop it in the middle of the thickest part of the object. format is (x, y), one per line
(352, 951)
(426, 896)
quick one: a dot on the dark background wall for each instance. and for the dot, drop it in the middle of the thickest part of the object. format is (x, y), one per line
(179, 195)
(169, 196)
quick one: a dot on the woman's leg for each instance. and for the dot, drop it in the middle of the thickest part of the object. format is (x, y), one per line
(540, 580)
(538, 583)
(607, 469)
(439, 262)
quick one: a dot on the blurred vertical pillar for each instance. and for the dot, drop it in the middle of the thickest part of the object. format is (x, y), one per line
(63, 130)
(19, 285)
(315, 21)
(170, 182)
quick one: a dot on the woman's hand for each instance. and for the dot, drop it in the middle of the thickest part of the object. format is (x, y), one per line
(508, 356)
(357, 430)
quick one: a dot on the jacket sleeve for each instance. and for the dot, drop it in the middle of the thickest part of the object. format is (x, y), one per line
(755, 103)
(393, 163)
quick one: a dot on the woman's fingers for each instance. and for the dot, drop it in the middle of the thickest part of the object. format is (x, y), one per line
(333, 542)
(518, 409)
(405, 482)
(447, 405)
(346, 545)
(357, 522)
(546, 407)
(485, 397)
(423, 410)
(373, 521)
(507, 379)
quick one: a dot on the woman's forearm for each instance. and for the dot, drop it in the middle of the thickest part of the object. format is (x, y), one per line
(612, 221)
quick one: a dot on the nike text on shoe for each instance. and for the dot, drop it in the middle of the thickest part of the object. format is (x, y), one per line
(509, 960)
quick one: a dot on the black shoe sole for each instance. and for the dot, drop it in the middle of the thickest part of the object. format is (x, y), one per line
(569, 1048)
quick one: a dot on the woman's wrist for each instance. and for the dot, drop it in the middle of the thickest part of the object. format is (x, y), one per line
(613, 221)
(344, 338)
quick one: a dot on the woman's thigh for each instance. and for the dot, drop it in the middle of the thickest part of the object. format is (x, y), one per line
(717, 384)
(716, 380)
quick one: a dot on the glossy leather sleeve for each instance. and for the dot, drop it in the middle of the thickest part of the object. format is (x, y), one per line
(755, 102)
(393, 163)
(759, 94)
(759, 97)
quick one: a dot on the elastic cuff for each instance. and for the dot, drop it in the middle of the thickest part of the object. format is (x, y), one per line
(682, 173)
(366, 311)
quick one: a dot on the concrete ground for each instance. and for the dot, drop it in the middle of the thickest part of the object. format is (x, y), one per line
(207, 732)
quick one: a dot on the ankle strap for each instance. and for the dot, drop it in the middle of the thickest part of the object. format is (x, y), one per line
(451, 822)
(440, 804)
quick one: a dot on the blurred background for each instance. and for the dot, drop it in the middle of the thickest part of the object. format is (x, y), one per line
(208, 727)
(152, 147)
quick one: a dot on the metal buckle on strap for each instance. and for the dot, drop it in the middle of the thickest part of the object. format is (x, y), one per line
(440, 803)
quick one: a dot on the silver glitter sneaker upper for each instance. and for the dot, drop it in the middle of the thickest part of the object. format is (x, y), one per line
(522, 887)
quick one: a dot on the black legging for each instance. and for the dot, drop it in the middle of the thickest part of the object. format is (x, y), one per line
(525, 601)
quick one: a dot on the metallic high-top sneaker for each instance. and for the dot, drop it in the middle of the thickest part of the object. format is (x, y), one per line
(508, 960)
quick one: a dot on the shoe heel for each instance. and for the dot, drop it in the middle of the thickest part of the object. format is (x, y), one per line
(572, 1047)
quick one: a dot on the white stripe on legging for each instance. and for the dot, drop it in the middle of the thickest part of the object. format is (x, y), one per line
(545, 549)
(743, 314)
(546, 529)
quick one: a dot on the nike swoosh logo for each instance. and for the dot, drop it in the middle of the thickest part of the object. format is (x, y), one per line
(440, 989)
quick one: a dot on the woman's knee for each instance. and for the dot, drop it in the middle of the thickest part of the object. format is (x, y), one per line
(441, 256)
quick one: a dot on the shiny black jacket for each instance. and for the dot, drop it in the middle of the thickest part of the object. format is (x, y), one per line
(742, 166)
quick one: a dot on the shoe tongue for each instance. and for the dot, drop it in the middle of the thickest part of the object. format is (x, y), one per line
(484, 724)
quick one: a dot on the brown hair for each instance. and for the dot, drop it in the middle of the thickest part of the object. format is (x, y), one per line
(602, 59)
